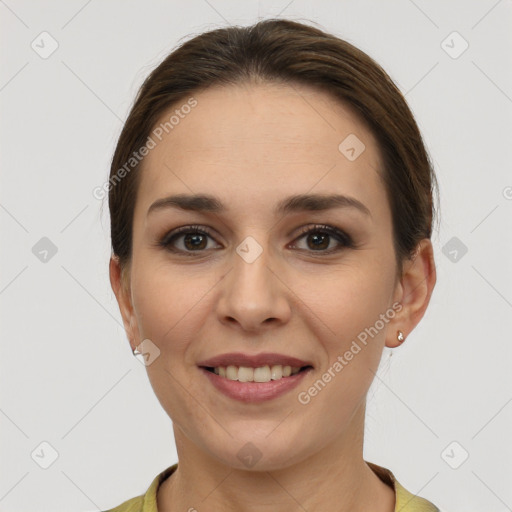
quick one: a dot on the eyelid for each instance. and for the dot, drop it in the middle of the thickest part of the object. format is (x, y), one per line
(323, 227)
(343, 238)
(175, 233)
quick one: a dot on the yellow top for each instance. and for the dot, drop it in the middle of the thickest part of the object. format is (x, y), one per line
(404, 500)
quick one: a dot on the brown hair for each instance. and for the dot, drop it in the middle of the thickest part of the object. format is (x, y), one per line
(284, 51)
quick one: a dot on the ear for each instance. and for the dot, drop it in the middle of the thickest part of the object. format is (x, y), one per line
(121, 286)
(413, 291)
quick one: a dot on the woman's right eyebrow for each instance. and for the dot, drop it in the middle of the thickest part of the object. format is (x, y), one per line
(295, 203)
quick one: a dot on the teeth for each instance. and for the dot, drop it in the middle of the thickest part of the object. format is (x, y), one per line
(260, 374)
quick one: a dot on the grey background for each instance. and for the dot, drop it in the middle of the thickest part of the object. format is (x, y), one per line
(68, 377)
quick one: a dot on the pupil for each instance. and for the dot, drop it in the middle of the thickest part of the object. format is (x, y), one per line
(196, 241)
(317, 237)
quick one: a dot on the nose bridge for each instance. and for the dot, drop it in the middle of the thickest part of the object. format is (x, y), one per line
(250, 279)
(252, 294)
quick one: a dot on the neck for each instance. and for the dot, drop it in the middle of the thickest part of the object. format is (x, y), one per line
(334, 478)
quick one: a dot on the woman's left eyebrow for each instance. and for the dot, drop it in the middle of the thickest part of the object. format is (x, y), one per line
(295, 203)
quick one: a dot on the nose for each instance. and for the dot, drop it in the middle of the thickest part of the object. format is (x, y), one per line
(253, 295)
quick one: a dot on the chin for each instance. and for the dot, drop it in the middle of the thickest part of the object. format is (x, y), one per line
(253, 455)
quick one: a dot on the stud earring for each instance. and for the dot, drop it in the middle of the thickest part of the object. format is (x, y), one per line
(400, 337)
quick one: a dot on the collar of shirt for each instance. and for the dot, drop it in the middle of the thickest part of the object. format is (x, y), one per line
(404, 500)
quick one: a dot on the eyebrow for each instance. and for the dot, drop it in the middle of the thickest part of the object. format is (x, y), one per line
(295, 203)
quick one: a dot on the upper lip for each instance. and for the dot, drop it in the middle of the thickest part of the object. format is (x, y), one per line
(256, 360)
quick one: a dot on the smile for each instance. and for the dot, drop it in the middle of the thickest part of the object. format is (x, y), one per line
(242, 384)
(260, 374)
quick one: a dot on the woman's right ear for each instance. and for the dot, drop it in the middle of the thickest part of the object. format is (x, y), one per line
(121, 287)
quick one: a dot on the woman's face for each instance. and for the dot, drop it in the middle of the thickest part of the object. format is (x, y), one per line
(310, 296)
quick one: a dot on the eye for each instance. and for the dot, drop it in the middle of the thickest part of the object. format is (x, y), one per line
(320, 236)
(194, 239)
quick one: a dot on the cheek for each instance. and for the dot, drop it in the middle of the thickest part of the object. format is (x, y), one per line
(357, 307)
(170, 308)
(352, 335)
(351, 312)
(348, 299)
(168, 305)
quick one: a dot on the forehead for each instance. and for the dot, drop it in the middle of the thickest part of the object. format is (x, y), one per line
(260, 142)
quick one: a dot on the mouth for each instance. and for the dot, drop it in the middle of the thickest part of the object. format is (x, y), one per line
(264, 373)
(255, 385)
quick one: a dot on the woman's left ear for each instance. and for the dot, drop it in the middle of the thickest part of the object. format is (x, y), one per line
(413, 292)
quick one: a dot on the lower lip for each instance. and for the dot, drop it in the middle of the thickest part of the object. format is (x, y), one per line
(254, 392)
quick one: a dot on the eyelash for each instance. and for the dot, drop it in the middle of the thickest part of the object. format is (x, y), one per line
(343, 238)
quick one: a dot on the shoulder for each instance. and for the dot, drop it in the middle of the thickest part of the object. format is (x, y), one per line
(146, 502)
(408, 502)
(405, 500)
(132, 505)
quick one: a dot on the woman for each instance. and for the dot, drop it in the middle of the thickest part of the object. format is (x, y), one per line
(271, 214)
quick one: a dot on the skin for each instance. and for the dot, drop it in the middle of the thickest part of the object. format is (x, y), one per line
(252, 146)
